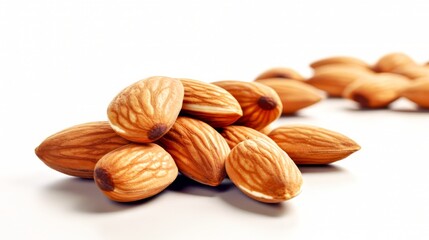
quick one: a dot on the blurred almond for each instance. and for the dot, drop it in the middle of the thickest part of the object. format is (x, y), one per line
(264, 172)
(335, 80)
(295, 95)
(134, 172)
(261, 105)
(313, 145)
(281, 72)
(377, 92)
(146, 110)
(210, 103)
(418, 92)
(390, 61)
(75, 150)
(236, 134)
(198, 150)
(340, 60)
(266, 130)
(412, 71)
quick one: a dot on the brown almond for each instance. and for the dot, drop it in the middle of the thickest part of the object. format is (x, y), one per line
(418, 92)
(236, 134)
(134, 172)
(264, 172)
(198, 150)
(210, 103)
(390, 61)
(280, 72)
(295, 95)
(75, 150)
(340, 60)
(146, 110)
(412, 71)
(313, 145)
(261, 105)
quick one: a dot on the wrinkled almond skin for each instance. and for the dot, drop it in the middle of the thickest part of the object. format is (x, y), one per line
(390, 61)
(343, 60)
(418, 92)
(313, 145)
(146, 110)
(236, 134)
(198, 150)
(412, 71)
(376, 92)
(281, 72)
(210, 103)
(335, 80)
(261, 105)
(134, 172)
(264, 172)
(294, 95)
(75, 150)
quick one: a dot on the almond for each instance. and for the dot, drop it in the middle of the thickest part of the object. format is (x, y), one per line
(343, 60)
(418, 92)
(412, 71)
(378, 92)
(236, 134)
(134, 172)
(264, 172)
(210, 103)
(266, 130)
(313, 145)
(261, 105)
(390, 61)
(198, 150)
(75, 150)
(146, 110)
(342, 67)
(335, 80)
(294, 95)
(280, 72)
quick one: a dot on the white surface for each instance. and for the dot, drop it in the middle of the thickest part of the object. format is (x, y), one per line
(63, 61)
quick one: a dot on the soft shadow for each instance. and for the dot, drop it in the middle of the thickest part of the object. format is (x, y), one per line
(320, 169)
(294, 115)
(186, 185)
(415, 110)
(83, 195)
(237, 199)
(362, 109)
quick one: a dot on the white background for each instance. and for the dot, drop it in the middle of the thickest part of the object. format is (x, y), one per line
(61, 62)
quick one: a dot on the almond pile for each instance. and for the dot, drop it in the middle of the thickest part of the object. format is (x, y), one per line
(160, 126)
(393, 76)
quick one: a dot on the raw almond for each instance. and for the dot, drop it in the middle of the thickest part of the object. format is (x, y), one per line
(236, 134)
(146, 110)
(313, 145)
(295, 95)
(76, 150)
(412, 71)
(342, 67)
(261, 105)
(210, 103)
(281, 72)
(264, 172)
(335, 80)
(343, 60)
(198, 150)
(134, 172)
(378, 92)
(418, 92)
(390, 61)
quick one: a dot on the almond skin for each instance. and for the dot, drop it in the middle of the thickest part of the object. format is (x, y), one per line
(210, 103)
(390, 61)
(264, 172)
(198, 150)
(378, 91)
(75, 150)
(418, 92)
(412, 71)
(313, 145)
(134, 172)
(236, 134)
(281, 72)
(146, 110)
(335, 80)
(343, 60)
(261, 105)
(294, 95)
